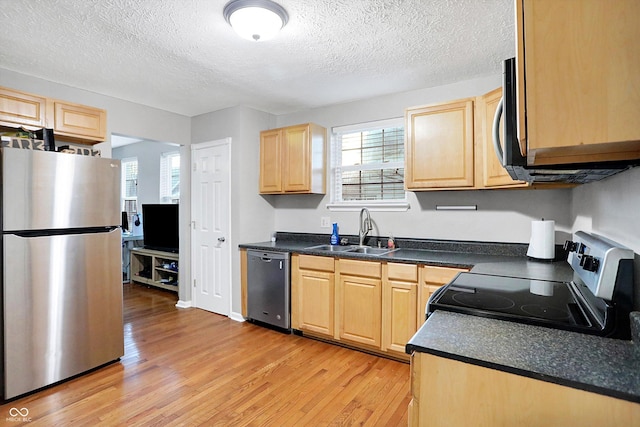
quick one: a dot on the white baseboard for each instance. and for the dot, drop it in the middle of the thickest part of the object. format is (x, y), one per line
(236, 316)
(183, 304)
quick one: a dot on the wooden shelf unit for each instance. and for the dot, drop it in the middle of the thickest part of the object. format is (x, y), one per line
(148, 267)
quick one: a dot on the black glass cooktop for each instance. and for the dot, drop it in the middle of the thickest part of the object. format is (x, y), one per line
(539, 302)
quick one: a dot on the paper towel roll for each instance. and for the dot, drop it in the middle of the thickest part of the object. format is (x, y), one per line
(543, 240)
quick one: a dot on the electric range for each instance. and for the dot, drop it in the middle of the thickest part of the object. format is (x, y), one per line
(597, 301)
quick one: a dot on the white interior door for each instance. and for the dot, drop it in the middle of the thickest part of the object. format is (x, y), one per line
(210, 207)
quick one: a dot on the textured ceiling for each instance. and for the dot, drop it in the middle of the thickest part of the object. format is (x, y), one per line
(182, 56)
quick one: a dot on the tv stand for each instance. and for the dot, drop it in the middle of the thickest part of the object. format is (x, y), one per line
(155, 268)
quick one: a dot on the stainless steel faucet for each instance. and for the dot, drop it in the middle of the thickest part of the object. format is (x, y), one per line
(365, 224)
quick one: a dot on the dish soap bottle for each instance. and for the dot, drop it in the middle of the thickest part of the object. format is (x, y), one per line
(391, 244)
(335, 238)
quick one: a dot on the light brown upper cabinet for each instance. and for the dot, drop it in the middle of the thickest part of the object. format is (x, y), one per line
(21, 109)
(293, 160)
(79, 122)
(450, 146)
(439, 146)
(69, 121)
(578, 82)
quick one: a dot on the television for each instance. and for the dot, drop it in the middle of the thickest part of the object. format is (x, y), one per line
(125, 221)
(160, 227)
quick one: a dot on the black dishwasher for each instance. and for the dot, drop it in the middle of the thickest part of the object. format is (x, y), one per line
(268, 288)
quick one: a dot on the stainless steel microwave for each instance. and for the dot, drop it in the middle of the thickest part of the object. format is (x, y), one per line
(516, 164)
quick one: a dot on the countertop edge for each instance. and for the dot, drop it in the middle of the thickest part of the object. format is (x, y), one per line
(525, 373)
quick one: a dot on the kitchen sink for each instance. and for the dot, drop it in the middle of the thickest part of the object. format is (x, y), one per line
(330, 248)
(368, 250)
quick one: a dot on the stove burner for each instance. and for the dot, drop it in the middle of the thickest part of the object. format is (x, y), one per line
(483, 301)
(545, 312)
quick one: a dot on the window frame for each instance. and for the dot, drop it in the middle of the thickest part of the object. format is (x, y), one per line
(393, 205)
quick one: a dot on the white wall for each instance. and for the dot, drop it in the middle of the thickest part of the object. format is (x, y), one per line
(502, 215)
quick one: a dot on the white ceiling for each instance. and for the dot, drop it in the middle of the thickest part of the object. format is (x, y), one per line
(182, 56)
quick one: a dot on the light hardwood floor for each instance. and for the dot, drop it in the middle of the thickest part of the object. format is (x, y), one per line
(191, 367)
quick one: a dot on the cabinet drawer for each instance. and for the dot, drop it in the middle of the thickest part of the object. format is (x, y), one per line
(360, 268)
(309, 262)
(408, 272)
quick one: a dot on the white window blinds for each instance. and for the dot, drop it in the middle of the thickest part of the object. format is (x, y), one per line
(129, 188)
(368, 163)
(170, 177)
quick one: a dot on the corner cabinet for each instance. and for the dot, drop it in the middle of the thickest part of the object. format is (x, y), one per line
(69, 121)
(432, 278)
(155, 268)
(578, 83)
(293, 160)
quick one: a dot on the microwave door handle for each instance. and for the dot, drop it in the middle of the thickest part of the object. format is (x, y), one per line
(496, 132)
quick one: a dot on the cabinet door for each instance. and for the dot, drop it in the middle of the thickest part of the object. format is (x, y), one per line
(270, 161)
(439, 149)
(297, 159)
(79, 121)
(315, 301)
(21, 109)
(432, 278)
(399, 305)
(578, 80)
(493, 173)
(360, 310)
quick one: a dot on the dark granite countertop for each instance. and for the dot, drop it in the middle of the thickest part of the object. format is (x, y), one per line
(458, 254)
(601, 365)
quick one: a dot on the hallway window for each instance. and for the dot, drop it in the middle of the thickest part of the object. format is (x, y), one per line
(130, 187)
(170, 177)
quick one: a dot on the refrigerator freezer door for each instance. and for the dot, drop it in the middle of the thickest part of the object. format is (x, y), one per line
(62, 307)
(44, 190)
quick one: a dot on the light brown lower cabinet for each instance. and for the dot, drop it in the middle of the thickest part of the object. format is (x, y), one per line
(313, 294)
(450, 393)
(360, 302)
(371, 305)
(399, 306)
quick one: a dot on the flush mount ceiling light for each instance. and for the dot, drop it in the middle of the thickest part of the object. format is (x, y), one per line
(256, 20)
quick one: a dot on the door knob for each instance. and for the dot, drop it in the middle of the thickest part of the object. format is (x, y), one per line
(221, 239)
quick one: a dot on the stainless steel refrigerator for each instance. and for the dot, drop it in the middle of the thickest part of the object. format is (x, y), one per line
(61, 272)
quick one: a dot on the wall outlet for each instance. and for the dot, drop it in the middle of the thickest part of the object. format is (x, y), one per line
(325, 222)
